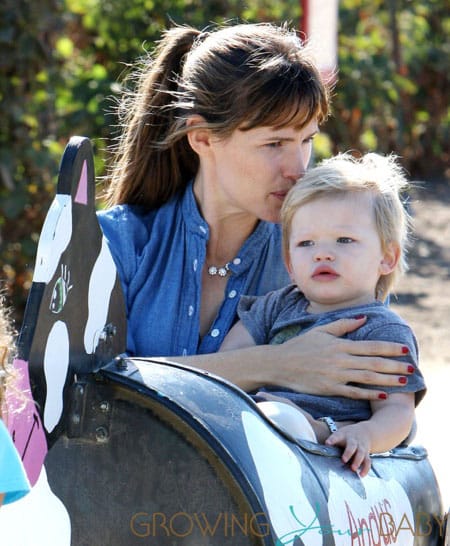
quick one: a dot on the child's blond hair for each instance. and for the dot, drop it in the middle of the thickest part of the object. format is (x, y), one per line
(6, 352)
(380, 175)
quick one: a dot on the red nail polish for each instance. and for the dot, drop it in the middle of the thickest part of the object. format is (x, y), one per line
(358, 317)
(382, 396)
(411, 368)
(405, 350)
(403, 380)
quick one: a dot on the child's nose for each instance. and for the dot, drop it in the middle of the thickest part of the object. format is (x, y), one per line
(323, 255)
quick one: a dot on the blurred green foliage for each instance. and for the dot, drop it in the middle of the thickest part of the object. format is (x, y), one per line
(392, 92)
(62, 63)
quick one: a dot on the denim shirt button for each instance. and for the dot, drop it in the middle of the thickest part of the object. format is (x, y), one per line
(232, 294)
(195, 264)
(237, 261)
(215, 332)
(191, 310)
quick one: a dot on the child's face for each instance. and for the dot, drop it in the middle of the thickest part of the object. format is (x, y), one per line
(335, 254)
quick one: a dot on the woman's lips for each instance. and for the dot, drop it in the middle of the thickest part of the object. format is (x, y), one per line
(280, 194)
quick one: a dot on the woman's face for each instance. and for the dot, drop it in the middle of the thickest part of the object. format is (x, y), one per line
(253, 170)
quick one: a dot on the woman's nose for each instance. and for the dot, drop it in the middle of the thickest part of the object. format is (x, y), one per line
(296, 165)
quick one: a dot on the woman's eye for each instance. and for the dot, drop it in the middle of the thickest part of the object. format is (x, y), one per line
(275, 144)
(345, 240)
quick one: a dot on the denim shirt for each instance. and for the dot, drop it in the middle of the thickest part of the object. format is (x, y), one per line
(160, 254)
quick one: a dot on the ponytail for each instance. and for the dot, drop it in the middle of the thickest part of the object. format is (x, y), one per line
(145, 171)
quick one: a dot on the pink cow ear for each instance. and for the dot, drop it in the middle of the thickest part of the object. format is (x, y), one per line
(82, 189)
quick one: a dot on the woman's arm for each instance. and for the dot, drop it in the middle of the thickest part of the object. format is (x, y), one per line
(319, 361)
(389, 425)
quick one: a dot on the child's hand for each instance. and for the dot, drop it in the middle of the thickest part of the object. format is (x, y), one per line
(356, 441)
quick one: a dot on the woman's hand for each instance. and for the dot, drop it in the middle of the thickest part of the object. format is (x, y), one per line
(321, 362)
(316, 362)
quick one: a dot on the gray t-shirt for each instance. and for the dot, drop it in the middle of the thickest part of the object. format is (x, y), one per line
(282, 314)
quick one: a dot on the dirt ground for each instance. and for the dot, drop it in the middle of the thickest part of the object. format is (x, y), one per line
(423, 299)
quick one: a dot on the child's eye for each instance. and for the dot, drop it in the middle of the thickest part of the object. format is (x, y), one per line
(305, 243)
(345, 240)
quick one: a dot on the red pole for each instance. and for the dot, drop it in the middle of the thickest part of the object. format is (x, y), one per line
(318, 26)
(304, 4)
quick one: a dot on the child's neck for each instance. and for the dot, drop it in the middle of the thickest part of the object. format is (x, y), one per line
(315, 307)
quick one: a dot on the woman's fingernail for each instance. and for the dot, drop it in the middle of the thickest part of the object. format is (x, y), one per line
(405, 350)
(382, 396)
(359, 317)
(403, 380)
(411, 368)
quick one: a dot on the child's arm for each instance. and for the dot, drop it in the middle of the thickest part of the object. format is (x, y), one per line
(237, 338)
(389, 425)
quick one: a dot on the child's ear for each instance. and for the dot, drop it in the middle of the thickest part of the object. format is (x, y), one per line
(391, 256)
(287, 263)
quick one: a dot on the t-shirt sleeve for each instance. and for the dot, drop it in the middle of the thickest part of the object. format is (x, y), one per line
(259, 313)
(251, 313)
(13, 480)
(400, 332)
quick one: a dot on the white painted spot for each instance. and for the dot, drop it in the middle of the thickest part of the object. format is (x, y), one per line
(382, 515)
(280, 473)
(101, 284)
(54, 239)
(56, 364)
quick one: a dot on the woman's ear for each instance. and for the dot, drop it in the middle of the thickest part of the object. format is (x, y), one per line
(391, 256)
(199, 136)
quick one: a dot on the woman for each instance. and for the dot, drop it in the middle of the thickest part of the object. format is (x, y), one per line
(219, 128)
